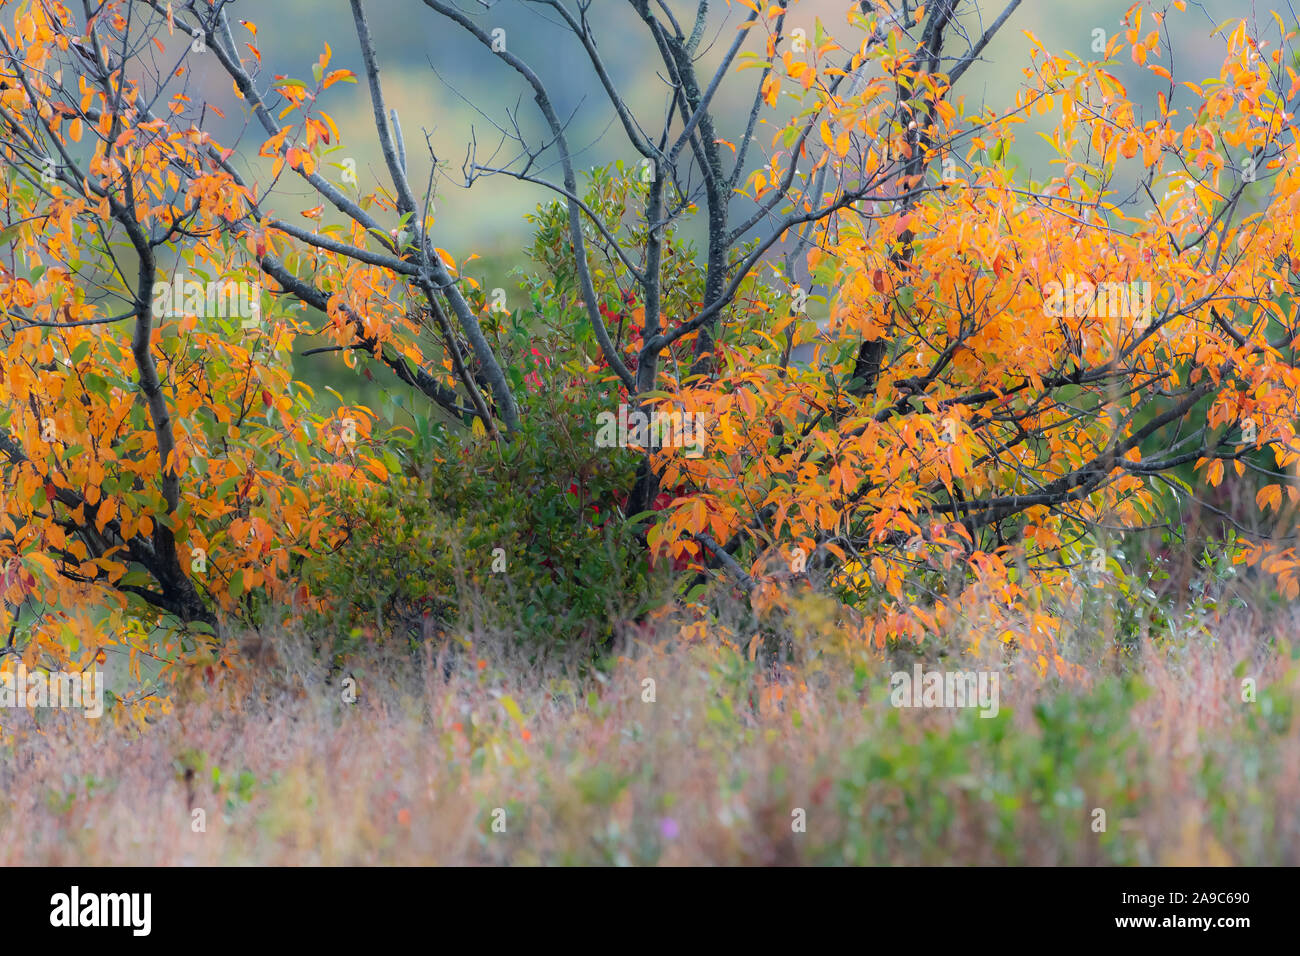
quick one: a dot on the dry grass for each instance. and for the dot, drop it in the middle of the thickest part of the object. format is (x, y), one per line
(286, 772)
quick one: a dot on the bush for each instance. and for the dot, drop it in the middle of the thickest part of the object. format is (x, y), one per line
(526, 538)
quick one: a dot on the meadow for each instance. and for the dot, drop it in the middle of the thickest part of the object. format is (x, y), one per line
(405, 759)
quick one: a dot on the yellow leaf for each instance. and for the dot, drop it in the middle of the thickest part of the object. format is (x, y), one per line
(513, 710)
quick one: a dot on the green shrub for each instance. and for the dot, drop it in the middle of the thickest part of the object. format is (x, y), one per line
(525, 538)
(904, 793)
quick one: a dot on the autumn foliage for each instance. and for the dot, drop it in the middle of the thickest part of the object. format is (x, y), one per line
(1015, 368)
(1006, 419)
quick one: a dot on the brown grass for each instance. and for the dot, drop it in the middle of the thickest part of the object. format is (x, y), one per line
(709, 773)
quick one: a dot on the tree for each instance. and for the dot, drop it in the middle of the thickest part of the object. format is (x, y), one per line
(1048, 353)
(169, 464)
(968, 407)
